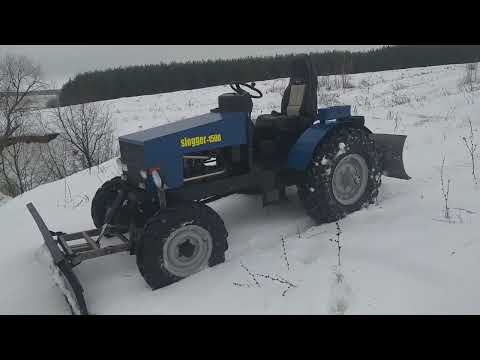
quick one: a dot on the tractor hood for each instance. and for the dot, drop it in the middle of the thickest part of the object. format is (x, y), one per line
(163, 147)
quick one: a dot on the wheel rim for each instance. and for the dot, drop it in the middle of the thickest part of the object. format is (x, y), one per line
(350, 179)
(187, 250)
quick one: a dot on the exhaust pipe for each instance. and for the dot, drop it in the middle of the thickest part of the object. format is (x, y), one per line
(390, 148)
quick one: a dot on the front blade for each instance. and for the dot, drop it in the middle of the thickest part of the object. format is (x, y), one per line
(63, 274)
(391, 150)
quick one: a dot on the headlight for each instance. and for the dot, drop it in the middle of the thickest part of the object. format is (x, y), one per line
(157, 179)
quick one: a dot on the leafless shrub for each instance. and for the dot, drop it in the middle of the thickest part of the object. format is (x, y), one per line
(277, 87)
(337, 243)
(470, 81)
(398, 86)
(20, 167)
(365, 84)
(285, 257)
(340, 290)
(363, 101)
(324, 82)
(252, 275)
(341, 81)
(450, 115)
(445, 191)
(328, 99)
(399, 99)
(420, 99)
(70, 201)
(280, 280)
(241, 285)
(58, 160)
(274, 278)
(445, 92)
(469, 97)
(395, 118)
(88, 132)
(347, 81)
(345, 77)
(471, 145)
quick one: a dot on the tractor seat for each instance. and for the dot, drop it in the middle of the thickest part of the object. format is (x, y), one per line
(299, 101)
(290, 119)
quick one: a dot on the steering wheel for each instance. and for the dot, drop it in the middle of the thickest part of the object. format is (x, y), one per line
(237, 88)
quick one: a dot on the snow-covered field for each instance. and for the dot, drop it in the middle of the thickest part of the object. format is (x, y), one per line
(400, 256)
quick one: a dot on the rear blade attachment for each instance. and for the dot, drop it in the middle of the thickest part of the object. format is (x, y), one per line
(62, 267)
(391, 149)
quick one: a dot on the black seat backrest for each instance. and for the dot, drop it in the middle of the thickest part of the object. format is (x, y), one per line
(300, 96)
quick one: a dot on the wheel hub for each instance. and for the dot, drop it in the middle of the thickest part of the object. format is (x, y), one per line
(350, 179)
(187, 250)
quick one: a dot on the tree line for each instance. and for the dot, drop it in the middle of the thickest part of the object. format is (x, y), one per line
(160, 78)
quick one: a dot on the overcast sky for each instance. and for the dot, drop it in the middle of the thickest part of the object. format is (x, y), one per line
(59, 62)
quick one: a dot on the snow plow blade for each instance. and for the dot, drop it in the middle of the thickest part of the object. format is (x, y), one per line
(71, 288)
(391, 150)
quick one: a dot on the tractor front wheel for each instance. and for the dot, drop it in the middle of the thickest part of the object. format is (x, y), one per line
(103, 201)
(180, 242)
(343, 177)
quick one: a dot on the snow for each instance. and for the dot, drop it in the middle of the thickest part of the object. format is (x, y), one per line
(399, 256)
(3, 198)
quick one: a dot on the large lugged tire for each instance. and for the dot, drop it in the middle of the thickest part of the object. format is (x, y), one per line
(103, 200)
(180, 242)
(344, 175)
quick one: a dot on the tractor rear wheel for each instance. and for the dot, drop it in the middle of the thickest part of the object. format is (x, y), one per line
(103, 200)
(180, 242)
(344, 175)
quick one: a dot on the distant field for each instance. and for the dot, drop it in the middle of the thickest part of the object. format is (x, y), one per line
(40, 98)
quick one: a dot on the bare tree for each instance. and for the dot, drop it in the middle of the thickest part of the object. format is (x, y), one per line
(56, 160)
(87, 130)
(19, 79)
(21, 167)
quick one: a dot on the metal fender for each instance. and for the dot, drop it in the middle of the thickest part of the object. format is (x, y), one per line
(302, 151)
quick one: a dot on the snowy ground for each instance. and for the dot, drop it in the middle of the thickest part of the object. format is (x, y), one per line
(3, 199)
(400, 256)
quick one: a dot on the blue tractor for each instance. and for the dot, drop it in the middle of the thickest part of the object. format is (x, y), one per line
(158, 206)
